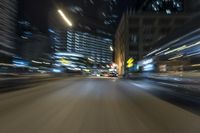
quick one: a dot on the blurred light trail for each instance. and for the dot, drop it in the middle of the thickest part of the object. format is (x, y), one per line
(90, 59)
(153, 52)
(37, 62)
(183, 48)
(177, 49)
(193, 54)
(176, 57)
(162, 51)
(195, 65)
(64, 17)
(68, 54)
(57, 70)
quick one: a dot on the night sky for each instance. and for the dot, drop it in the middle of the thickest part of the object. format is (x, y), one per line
(36, 11)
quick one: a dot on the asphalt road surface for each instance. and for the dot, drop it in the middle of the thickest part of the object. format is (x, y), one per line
(92, 105)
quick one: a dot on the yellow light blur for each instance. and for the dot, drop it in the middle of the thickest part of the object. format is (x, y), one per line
(64, 17)
(130, 62)
(195, 65)
(86, 70)
(64, 61)
(129, 65)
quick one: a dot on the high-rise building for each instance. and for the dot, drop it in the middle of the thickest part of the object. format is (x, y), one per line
(95, 47)
(137, 33)
(58, 40)
(8, 12)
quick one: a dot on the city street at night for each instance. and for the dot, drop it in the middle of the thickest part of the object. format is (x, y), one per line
(94, 105)
(100, 66)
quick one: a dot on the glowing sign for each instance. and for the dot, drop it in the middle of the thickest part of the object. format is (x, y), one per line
(145, 62)
(130, 62)
(129, 65)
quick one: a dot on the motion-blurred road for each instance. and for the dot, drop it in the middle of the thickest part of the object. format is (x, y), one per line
(92, 105)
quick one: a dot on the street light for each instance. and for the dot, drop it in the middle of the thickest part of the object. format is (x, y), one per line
(64, 17)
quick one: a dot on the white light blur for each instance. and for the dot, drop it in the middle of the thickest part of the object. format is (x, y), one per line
(57, 70)
(162, 51)
(195, 44)
(74, 58)
(177, 49)
(37, 62)
(193, 54)
(77, 69)
(70, 65)
(74, 68)
(154, 52)
(148, 67)
(91, 59)
(112, 70)
(57, 64)
(176, 57)
(195, 65)
(83, 67)
(64, 17)
(5, 64)
(111, 48)
(168, 11)
(68, 54)
(145, 62)
(47, 63)
(183, 48)
(20, 63)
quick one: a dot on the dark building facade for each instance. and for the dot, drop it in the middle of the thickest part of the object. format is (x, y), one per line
(192, 6)
(179, 51)
(137, 33)
(8, 13)
(95, 47)
(32, 44)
